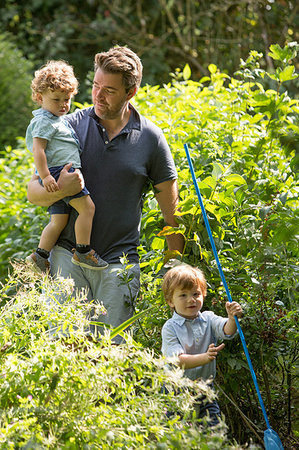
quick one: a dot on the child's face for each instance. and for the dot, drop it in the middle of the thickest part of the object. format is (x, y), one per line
(187, 302)
(57, 102)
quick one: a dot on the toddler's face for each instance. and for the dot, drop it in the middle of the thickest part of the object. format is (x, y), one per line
(57, 102)
(187, 302)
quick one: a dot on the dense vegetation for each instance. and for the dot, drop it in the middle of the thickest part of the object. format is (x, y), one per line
(243, 136)
(166, 34)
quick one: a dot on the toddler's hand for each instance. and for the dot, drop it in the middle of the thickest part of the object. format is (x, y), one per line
(233, 309)
(50, 184)
(213, 351)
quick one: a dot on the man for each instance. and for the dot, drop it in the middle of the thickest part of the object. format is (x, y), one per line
(122, 152)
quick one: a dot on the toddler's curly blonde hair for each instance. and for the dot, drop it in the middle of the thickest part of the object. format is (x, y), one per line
(54, 75)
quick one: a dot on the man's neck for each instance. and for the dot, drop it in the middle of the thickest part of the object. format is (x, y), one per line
(114, 126)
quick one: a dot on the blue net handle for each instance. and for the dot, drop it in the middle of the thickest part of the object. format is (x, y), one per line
(225, 285)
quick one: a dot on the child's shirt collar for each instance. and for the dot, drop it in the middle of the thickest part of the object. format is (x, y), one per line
(180, 320)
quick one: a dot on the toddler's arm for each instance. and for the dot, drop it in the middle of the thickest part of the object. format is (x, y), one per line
(40, 160)
(201, 359)
(70, 183)
(233, 309)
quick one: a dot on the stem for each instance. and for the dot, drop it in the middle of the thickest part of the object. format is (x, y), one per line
(266, 382)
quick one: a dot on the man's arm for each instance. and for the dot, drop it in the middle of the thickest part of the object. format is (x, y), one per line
(69, 184)
(168, 197)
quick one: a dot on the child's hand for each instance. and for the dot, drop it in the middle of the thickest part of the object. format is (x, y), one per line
(213, 351)
(50, 184)
(233, 309)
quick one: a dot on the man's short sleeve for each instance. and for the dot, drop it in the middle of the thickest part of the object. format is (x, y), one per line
(163, 167)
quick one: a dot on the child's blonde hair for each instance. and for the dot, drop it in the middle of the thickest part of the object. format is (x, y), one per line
(55, 75)
(185, 277)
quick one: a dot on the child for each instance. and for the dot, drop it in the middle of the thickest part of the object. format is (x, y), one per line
(54, 144)
(192, 335)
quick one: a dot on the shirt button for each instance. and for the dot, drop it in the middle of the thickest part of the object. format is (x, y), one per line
(106, 142)
(104, 129)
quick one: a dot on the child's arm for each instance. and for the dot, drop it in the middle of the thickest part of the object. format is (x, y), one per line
(201, 359)
(40, 160)
(70, 183)
(233, 309)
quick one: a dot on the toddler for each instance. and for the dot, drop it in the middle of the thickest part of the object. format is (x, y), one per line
(192, 335)
(54, 144)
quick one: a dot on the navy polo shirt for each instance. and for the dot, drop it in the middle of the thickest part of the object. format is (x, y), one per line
(116, 173)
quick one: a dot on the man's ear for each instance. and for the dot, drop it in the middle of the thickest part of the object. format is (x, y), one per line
(131, 93)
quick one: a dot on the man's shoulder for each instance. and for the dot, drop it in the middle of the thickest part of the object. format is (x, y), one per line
(149, 126)
(146, 124)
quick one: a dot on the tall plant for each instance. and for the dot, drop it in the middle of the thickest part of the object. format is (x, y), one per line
(242, 134)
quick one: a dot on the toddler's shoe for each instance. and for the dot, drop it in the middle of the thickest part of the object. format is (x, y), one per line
(37, 263)
(90, 260)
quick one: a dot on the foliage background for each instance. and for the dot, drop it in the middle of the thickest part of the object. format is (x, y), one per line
(242, 130)
(166, 34)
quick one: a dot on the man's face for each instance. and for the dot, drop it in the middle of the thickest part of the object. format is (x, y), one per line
(109, 96)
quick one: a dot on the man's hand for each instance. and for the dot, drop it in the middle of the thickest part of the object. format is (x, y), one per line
(167, 196)
(70, 183)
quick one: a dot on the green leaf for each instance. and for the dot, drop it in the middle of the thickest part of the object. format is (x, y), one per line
(186, 72)
(235, 179)
(212, 68)
(282, 54)
(218, 170)
(124, 325)
(287, 74)
(158, 244)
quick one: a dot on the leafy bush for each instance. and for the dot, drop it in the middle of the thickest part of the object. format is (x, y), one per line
(65, 391)
(16, 104)
(243, 137)
(20, 222)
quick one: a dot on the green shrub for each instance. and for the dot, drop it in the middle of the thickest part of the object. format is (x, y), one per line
(66, 391)
(15, 93)
(243, 141)
(20, 222)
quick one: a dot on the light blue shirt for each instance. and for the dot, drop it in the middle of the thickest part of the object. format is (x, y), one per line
(62, 146)
(193, 336)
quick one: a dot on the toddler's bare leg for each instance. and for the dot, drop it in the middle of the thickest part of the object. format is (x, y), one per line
(52, 231)
(83, 225)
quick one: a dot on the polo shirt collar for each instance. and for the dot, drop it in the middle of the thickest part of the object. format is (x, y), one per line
(181, 320)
